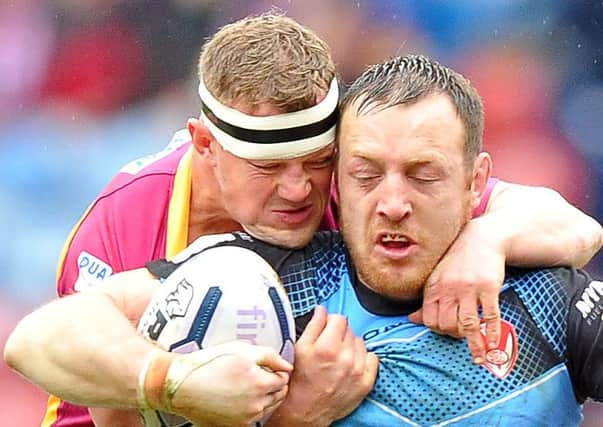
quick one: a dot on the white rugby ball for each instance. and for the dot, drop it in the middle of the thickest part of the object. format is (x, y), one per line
(223, 294)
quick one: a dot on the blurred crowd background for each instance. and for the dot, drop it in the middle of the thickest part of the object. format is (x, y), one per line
(86, 86)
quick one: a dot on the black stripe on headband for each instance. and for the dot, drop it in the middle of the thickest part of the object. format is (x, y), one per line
(275, 135)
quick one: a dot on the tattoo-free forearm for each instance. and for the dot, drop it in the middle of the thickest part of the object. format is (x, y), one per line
(82, 348)
(537, 227)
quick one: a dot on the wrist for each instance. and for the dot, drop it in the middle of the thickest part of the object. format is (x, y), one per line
(151, 387)
(285, 416)
(491, 232)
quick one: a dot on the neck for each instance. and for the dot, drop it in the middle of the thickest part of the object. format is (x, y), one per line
(376, 303)
(207, 212)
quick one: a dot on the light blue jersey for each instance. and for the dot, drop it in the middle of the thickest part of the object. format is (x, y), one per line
(549, 361)
(426, 379)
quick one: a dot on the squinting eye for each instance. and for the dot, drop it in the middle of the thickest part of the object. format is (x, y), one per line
(269, 167)
(365, 177)
(365, 180)
(323, 163)
(424, 179)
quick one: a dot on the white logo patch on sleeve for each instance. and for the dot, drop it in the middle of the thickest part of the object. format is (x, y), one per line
(91, 271)
(589, 298)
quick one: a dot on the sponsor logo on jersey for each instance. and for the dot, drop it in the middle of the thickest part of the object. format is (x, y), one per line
(174, 305)
(501, 360)
(91, 271)
(178, 301)
(590, 304)
(372, 333)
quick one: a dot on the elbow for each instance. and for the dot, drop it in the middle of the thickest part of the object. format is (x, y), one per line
(12, 351)
(16, 348)
(597, 237)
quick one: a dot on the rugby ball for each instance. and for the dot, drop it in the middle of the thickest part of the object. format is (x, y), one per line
(222, 294)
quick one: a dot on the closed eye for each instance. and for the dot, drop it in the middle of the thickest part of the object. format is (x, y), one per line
(321, 163)
(424, 179)
(366, 180)
(266, 167)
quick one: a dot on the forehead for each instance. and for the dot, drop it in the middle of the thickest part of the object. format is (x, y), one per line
(429, 125)
(327, 151)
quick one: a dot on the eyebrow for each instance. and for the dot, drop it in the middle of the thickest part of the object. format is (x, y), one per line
(431, 157)
(422, 162)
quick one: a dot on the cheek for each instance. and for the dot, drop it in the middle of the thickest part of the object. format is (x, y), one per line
(246, 195)
(258, 191)
(321, 182)
(442, 219)
(356, 213)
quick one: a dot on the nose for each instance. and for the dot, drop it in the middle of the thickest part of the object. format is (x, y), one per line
(294, 184)
(394, 199)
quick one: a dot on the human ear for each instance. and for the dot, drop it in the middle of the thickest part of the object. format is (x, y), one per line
(482, 170)
(201, 137)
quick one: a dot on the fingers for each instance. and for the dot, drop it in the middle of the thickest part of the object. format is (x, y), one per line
(470, 324)
(491, 315)
(270, 359)
(275, 400)
(448, 318)
(372, 368)
(416, 317)
(335, 331)
(461, 319)
(431, 308)
(469, 327)
(314, 327)
(368, 365)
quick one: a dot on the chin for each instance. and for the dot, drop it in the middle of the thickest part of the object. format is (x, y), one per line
(397, 285)
(406, 294)
(290, 239)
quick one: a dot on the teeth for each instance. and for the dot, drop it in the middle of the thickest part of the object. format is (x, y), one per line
(393, 238)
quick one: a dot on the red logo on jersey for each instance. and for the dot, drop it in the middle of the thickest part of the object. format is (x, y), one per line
(501, 360)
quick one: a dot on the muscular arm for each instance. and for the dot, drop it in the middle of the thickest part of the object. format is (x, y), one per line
(56, 345)
(536, 226)
(523, 226)
(84, 348)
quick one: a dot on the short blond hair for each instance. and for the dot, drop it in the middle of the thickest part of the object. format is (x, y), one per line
(268, 58)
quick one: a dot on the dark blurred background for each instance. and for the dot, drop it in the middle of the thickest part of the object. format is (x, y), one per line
(86, 86)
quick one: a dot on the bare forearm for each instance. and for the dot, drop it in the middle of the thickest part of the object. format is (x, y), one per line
(537, 227)
(82, 348)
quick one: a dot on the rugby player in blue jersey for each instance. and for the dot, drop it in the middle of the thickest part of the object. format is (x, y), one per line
(410, 171)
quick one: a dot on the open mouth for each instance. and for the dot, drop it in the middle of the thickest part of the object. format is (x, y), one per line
(395, 241)
(395, 246)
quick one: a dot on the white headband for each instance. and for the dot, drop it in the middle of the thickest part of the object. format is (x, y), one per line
(281, 136)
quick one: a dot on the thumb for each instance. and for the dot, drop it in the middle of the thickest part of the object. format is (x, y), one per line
(372, 367)
(416, 317)
(315, 326)
(268, 358)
